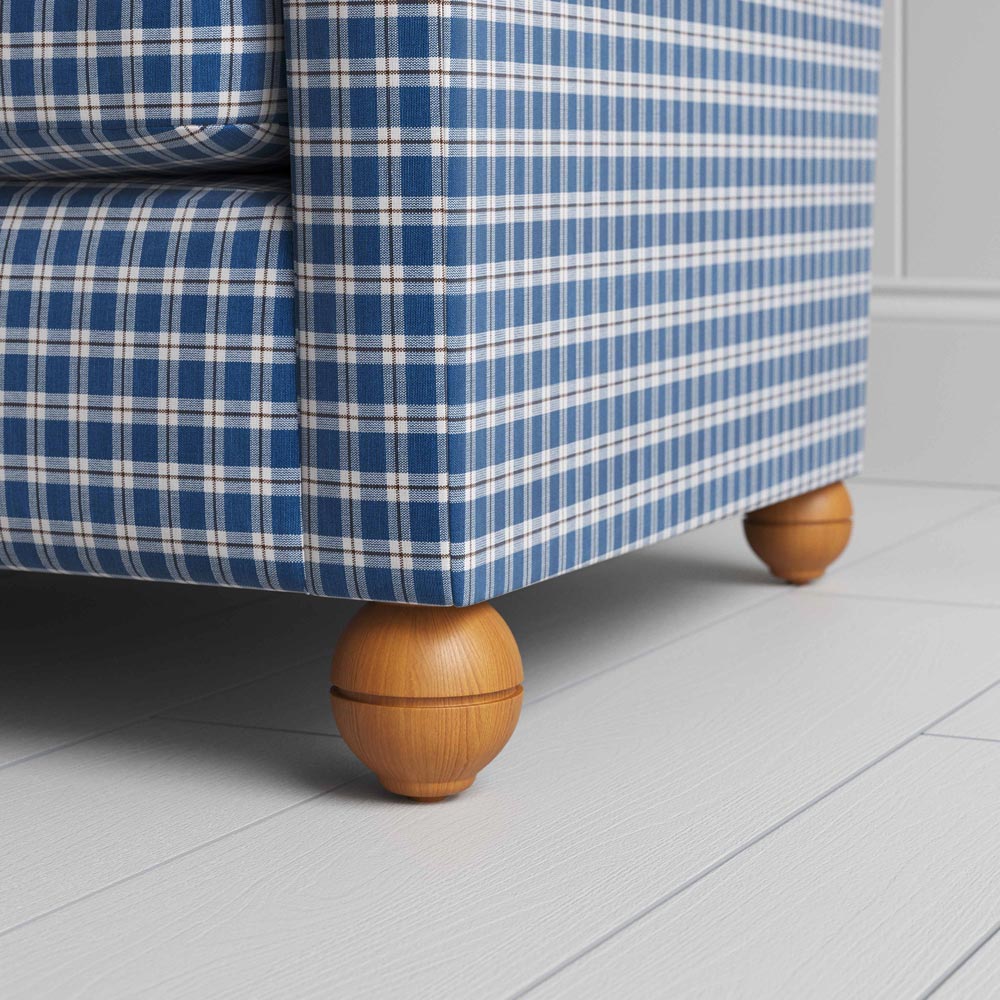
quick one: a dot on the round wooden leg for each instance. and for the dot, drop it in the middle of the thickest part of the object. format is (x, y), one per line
(799, 538)
(426, 696)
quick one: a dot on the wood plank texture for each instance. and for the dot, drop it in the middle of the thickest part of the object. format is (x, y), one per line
(958, 562)
(979, 719)
(107, 808)
(871, 893)
(610, 795)
(979, 976)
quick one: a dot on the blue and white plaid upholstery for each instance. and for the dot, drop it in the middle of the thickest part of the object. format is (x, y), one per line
(572, 276)
(155, 85)
(148, 395)
(569, 276)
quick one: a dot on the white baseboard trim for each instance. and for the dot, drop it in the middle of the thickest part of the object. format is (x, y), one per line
(933, 408)
(943, 300)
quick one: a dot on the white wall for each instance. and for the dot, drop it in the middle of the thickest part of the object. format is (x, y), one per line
(934, 412)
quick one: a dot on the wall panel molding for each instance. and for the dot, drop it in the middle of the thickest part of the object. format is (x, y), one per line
(937, 210)
(942, 300)
(935, 348)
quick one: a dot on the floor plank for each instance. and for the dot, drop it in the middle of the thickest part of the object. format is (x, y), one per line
(978, 976)
(979, 719)
(871, 893)
(957, 562)
(611, 795)
(579, 624)
(81, 818)
(45, 617)
(93, 677)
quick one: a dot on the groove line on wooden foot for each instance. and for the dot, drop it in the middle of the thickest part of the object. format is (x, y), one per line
(457, 701)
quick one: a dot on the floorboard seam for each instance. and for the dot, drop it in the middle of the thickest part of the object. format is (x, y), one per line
(930, 484)
(242, 725)
(176, 857)
(715, 866)
(139, 719)
(747, 845)
(785, 591)
(975, 949)
(818, 592)
(956, 736)
(659, 647)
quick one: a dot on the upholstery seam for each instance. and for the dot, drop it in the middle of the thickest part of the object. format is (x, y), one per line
(451, 575)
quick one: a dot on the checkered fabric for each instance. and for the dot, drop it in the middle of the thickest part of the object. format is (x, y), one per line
(148, 386)
(102, 86)
(572, 276)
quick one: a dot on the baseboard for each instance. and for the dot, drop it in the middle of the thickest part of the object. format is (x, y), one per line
(933, 405)
(944, 300)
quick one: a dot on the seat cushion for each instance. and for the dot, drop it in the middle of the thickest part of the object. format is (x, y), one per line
(148, 389)
(150, 85)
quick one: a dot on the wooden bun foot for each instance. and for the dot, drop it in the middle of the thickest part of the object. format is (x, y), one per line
(426, 697)
(429, 792)
(799, 538)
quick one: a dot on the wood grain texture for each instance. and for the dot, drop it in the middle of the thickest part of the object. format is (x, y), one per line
(978, 720)
(83, 817)
(958, 561)
(426, 696)
(871, 893)
(799, 538)
(616, 791)
(977, 977)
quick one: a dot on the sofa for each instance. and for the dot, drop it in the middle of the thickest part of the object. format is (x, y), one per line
(418, 304)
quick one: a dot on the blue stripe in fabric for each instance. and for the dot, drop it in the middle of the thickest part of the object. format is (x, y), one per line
(148, 381)
(572, 276)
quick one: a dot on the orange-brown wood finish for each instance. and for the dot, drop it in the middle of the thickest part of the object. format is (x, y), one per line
(799, 538)
(426, 696)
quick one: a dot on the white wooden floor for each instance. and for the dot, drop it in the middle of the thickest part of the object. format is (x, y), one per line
(721, 787)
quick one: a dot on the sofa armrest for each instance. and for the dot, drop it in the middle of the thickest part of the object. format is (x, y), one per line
(571, 278)
(377, 365)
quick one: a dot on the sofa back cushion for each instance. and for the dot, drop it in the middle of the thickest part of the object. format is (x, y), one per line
(101, 86)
